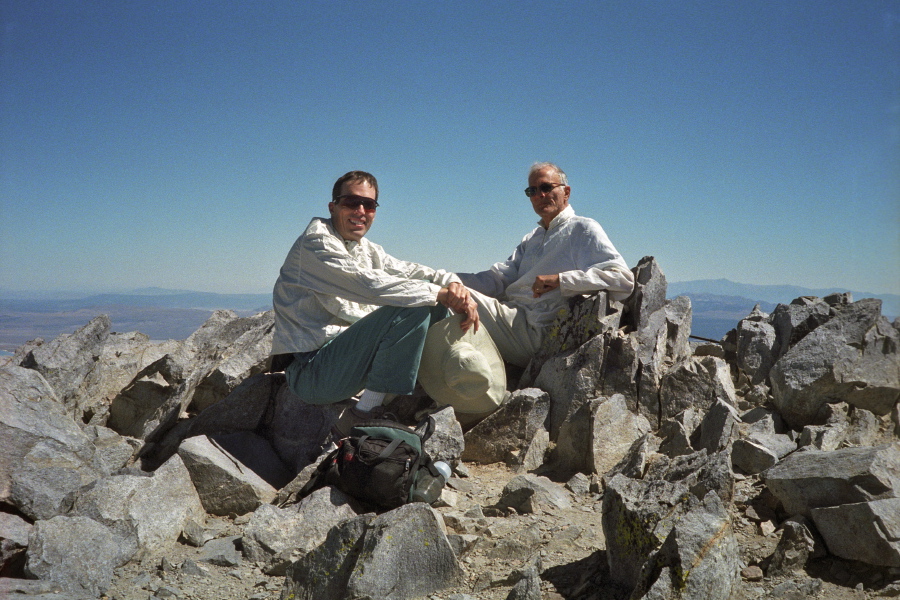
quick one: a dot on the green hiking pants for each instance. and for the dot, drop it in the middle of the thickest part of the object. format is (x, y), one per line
(380, 353)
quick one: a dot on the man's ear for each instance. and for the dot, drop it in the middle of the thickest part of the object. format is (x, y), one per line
(331, 208)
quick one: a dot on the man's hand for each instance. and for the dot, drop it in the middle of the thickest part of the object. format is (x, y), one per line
(544, 283)
(471, 319)
(455, 297)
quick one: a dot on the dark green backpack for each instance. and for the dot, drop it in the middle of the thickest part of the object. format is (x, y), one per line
(378, 463)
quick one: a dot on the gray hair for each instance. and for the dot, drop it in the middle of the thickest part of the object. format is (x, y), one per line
(539, 166)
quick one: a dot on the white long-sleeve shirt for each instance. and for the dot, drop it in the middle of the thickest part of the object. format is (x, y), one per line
(574, 247)
(327, 283)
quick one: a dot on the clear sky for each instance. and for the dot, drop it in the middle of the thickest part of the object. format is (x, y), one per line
(186, 144)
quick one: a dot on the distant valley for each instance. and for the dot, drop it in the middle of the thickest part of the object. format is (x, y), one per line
(718, 304)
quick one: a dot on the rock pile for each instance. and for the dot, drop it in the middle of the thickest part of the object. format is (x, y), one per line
(115, 449)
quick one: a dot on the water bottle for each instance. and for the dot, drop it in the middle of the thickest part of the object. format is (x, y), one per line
(428, 487)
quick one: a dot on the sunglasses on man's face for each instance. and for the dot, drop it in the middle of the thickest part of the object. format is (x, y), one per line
(354, 202)
(544, 188)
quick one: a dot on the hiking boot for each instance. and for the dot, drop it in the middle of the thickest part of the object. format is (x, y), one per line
(352, 416)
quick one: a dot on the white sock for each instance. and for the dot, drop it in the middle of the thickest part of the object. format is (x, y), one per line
(369, 400)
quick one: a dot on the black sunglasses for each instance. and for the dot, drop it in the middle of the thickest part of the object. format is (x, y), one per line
(354, 202)
(545, 188)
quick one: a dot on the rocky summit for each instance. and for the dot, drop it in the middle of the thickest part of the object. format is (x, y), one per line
(628, 461)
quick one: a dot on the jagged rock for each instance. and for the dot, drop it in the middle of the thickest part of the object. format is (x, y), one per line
(831, 435)
(795, 547)
(583, 318)
(149, 511)
(122, 357)
(794, 321)
(447, 442)
(77, 553)
(66, 361)
(237, 348)
(637, 518)
(814, 479)
(505, 435)
(853, 357)
(699, 558)
(150, 400)
(256, 453)
(863, 429)
(14, 532)
(649, 293)
(275, 537)
(700, 472)
(529, 493)
(244, 409)
(212, 362)
(866, 531)
(598, 435)
(44, 454)
(677, 431)
(298, 431)
(634, 463)
(752, 456)
(717, 428)
(370, 557)
(756, 341)
(695, 383)
(113, 450)
(222, 552)
(324, 573)
(225, 486)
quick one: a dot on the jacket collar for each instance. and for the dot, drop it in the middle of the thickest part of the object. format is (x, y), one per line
(566, 214)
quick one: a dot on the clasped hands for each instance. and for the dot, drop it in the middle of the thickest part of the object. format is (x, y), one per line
(456, 297)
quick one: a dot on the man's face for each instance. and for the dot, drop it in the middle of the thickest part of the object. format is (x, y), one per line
(352, 223)
(548, 204)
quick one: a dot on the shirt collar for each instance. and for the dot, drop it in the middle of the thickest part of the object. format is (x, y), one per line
(567, 213)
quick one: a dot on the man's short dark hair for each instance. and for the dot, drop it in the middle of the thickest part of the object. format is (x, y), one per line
(353, 177)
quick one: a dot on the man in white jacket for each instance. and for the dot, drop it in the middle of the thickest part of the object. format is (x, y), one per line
(350, 317)
(564, 256)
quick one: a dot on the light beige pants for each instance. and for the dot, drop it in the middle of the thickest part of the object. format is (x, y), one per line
(516, 340)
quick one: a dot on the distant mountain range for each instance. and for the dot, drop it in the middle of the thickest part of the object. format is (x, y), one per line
(159, 313)
(718, 304)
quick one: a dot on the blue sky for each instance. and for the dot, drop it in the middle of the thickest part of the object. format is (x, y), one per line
(186, 144)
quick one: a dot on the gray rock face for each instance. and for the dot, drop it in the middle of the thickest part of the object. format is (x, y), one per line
(44, 455)
(756, 347)
(66, 361)
(224, 484)
(528, 493)
(149, 512)
(505, 435)
(867, 531)
(212, 362)
(813, 479)
(695, 383)
(598, 435)
(699, 557)
(583, 319)
(853, 357)
(649, 293)
(370, 558)
(275, 537)
(77, 553)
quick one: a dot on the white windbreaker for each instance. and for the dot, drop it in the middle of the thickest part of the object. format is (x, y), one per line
(327, 283)
(576, 248)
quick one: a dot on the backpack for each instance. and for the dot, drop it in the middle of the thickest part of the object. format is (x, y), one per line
(379, 463)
